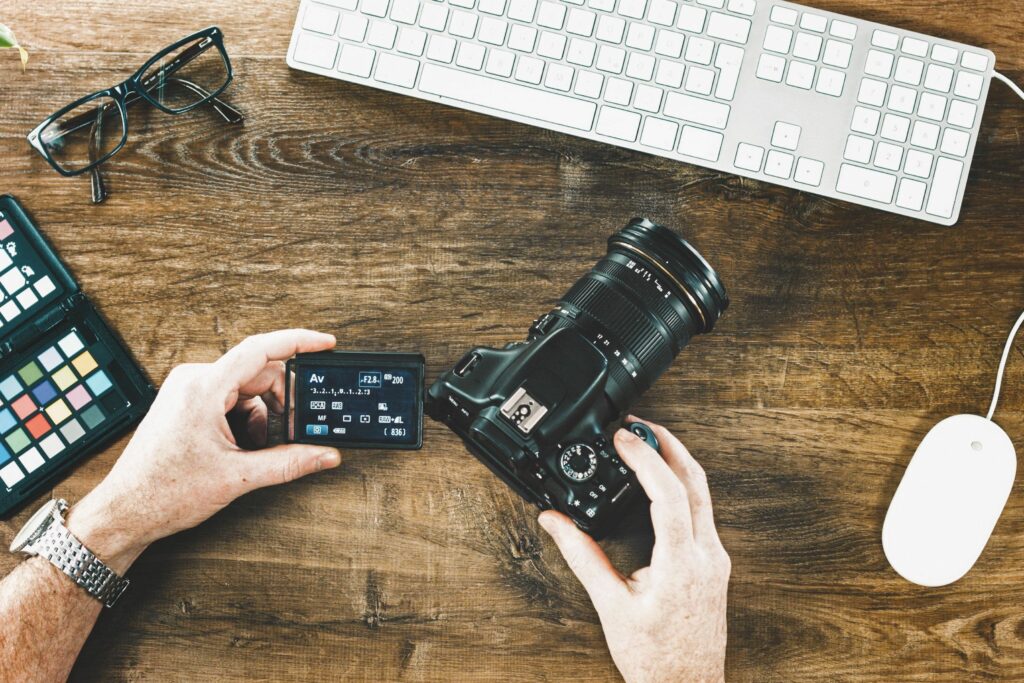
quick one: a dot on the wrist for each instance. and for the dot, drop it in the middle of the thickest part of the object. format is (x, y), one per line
(107, 534)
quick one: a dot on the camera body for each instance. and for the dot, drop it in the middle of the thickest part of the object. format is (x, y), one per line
(536, 415)
(539, 412)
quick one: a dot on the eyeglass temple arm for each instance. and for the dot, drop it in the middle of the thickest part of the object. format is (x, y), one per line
(99, 188)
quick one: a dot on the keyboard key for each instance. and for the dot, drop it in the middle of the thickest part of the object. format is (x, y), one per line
(865, 120)
(813, 22)
(895, 128)
(944, 54)
(506, 96)
(522, 38)
(974, 62)
(588, 83)
(918, 164)
(471, 56)
(618, 91)
(784, 15)
(353, 27)
(640, 66)
(662, 12)
(908, 71)
(441, 49)
(830, 82)
(521, 10)
(356, 60)
(888, 156)
(778, 164)
(858, 149)
(807, 46)
(777, 39)
(843, 29)
(315, 51)
(955, 142)
(809, 171)
(800, 75)
(770, 68)
(945, 184)
(879, 64)
(659, 133)
(500, 63)
(463, 24)
(530, 70)
(433, 16)
(405, 11)
(581, 22)
(746, 7)
(669, 74)
(717, 4)
(634, 9)
(610, 59)
(866, 183)
(785, 135)
(962, 114)
(902, 99)
(669, 44)
(559, 77)
(495, 7)
(699, 80)
(411, 41)
(691, 18)
(911, 194)
(700, 50)
(552, 45)
(379, 8)
(648, 98)
(581, 52)
(551, 15)
(492, 31)
(320, 19)
(696, 110)
(871, 92)
(885, 39)
(968, 85)
(700, 143)
(728, 60)
(617, 123)
(748, 157)
(382, 34)
(925, 135)
(938, 78)
(400, 71)
(639, 36)
(915, 47)
(611, 29)
(728, 27)
(932, 106)
(837, 53)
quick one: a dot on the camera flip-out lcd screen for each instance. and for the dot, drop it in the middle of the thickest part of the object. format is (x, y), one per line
(359, 400)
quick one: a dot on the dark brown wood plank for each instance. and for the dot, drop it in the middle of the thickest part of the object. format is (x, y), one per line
(404, 225)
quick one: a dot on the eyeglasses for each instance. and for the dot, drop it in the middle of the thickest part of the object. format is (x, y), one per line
(190, 73)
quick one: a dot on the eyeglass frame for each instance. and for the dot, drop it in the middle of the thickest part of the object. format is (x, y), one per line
(133, 85)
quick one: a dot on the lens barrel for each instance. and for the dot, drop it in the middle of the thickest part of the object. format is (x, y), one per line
(642, 303)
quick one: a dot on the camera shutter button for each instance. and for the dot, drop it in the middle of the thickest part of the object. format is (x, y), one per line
(578, 462)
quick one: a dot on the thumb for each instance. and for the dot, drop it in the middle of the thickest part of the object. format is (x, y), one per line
(584, 556)
(285, 463)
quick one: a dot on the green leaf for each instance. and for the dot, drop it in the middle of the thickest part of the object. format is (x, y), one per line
(7, 38)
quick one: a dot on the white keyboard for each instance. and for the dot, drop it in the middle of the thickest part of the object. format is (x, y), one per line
(765, 89)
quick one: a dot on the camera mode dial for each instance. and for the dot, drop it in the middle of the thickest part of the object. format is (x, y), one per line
(578, 462)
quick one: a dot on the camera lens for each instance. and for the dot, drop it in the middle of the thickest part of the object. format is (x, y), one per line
(641, 304)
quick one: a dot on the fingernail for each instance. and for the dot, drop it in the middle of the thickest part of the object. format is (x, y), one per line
(627, 435)
(328, 459)
(545, 522)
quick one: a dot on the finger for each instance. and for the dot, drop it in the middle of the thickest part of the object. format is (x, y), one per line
(670, 510)
(584, 557)
(245, 362)
(285, 463)
(254, 428)
(694, 479)
(268, 384)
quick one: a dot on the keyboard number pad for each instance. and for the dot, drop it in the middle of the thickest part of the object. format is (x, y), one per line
(911, 129)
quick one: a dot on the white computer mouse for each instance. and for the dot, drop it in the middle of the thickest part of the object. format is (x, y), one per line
(949, 500)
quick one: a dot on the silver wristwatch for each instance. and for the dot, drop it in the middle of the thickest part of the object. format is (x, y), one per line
(46, 536)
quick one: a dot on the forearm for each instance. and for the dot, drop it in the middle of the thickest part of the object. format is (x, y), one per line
(44, 616)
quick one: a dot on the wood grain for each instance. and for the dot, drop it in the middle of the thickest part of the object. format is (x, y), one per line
(403, 225)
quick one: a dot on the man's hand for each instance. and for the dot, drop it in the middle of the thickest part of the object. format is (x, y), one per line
(666, 622)
(185, 462)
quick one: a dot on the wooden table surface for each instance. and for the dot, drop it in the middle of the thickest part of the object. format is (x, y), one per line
(402, 225)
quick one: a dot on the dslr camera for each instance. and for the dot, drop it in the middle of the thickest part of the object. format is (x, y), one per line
(538, 413)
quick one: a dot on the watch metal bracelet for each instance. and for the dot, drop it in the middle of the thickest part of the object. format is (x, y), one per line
(67, 553)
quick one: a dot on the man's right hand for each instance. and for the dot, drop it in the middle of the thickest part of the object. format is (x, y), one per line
(666, 622)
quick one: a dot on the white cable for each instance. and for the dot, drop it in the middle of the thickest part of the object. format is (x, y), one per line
(1010, 84)
(1002, 365)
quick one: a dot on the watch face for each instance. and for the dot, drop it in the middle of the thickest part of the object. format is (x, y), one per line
(35, 525)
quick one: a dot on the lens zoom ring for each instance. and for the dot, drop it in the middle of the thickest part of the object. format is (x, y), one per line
(664, 310)
(623, 321)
